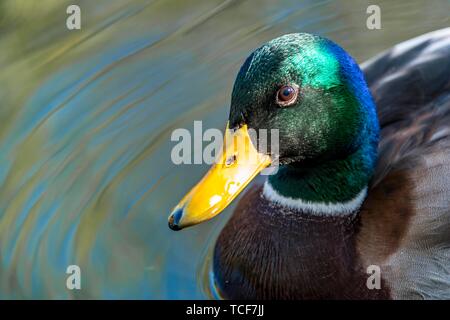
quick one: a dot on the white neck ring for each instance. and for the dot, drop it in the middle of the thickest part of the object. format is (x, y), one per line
(317, 208)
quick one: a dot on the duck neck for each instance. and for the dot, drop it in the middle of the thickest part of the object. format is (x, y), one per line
(334, 186)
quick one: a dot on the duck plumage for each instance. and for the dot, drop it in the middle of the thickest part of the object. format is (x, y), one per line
(274, 250)
(404, 224)
(405, 221)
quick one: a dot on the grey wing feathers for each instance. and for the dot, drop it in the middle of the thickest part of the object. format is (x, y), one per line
(411, 88)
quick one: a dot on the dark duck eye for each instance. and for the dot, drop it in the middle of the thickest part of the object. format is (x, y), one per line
(287, 95)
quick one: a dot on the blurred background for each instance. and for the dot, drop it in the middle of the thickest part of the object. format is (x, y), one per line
(86, 117)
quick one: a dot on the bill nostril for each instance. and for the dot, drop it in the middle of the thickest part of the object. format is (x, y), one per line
(230, 160)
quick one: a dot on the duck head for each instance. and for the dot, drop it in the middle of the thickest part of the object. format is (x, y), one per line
(314, 95)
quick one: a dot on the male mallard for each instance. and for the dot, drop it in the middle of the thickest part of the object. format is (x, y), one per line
(340, 201)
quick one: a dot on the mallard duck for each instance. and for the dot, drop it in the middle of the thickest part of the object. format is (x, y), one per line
(363, 181)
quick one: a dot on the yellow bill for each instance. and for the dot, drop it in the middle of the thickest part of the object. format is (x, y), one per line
(237, 164)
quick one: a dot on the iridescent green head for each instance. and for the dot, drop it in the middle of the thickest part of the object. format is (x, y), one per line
(314, 93)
